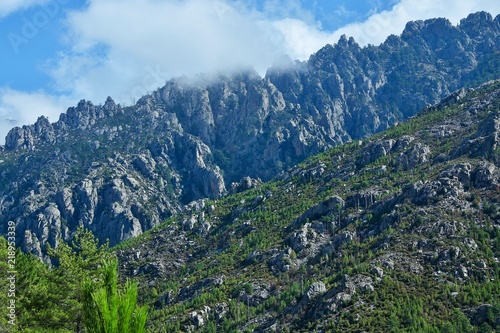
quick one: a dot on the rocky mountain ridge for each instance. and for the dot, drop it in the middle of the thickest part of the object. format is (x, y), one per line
(122, 170)
(396, 232)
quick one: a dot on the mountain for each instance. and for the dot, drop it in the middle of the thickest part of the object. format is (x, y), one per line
(399, 232)
(120, 171)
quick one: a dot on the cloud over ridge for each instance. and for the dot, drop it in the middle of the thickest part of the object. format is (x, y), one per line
(125, 39)
(127, 48)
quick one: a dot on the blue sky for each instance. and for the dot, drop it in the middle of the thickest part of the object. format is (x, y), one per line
(56, 52)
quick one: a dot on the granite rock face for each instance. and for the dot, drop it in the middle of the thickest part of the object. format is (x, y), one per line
(121, 170)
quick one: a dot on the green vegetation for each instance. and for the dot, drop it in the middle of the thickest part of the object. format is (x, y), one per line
(51, 298)
(108, 310)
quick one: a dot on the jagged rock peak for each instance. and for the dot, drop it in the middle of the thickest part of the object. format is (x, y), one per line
(19, 138)
(345, 42)
(419, 25)
(480, 23)
(110, 104)
(25, 137)
(82, 116)
(478, 18)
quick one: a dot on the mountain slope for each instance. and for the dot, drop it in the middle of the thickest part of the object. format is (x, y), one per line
(121, 170)
(398, 232)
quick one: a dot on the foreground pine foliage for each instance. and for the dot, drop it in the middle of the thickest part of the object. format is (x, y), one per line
(110, 310)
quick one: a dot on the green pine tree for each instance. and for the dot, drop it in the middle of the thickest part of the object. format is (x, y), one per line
(109, 310)
(75, 262)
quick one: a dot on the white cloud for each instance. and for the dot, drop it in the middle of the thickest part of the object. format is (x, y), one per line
(301, 40)
(376, 29)
(279, 9)
(117, 44)
(342, 11)
(19, 108)
(8, 7)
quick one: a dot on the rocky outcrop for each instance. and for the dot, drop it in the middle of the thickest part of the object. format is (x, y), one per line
(330, 206)
(245, 183)
(282, 262)
(303, 238)
(205, 180)
(335, 299)
(408, 156)
(363, 199)
(375, 151)
(484, 175)
(411, 158)
(199, 318)
(314, 291)
(484, 143)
